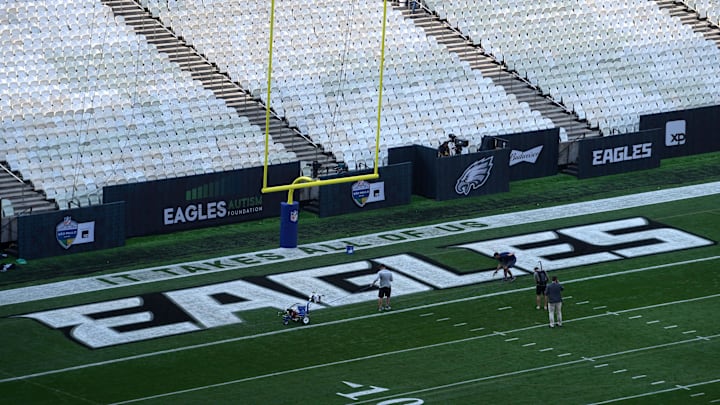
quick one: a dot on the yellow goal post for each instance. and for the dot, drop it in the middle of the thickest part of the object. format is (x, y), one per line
(304, 181)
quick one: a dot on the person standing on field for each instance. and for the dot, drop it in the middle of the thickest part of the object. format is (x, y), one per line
(541, 279)
(385, 277)
(554, 297)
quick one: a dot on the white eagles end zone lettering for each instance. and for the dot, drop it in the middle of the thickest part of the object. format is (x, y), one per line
(339, 284)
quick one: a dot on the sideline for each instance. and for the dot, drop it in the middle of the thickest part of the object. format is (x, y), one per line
(279, 255)
(347, 320)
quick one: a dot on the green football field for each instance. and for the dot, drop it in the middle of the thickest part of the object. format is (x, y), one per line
(640, 318)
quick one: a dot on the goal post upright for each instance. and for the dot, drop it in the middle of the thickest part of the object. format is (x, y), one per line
(289, 210)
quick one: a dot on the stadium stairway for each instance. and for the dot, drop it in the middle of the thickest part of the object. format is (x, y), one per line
(524, 91)
(698, 22)
(218, 82)
(23, 197)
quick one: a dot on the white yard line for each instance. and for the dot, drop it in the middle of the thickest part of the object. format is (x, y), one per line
(252, 259)
(645, 394)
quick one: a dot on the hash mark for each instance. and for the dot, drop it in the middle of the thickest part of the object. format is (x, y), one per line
(698, 394)
(657, 382)
(582, 302)
(689, 331)
(639, 376)
(564, 354)
(547, 349)
(511, 339)
(649, 322)
(504, 308)
(671, 326)
(441, 319)
(601, 365)
(635, 317)
(428, 314)
(601, 307)
(476, 329)
(529, 344)
(620, 371)
(460, 324)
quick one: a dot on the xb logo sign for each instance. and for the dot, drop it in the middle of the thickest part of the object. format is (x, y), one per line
(675, 133)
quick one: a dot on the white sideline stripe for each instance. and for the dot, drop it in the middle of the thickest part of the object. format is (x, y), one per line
(511, 373)
(530, 370)
(341, 321)
(90, 284)
(645, 394)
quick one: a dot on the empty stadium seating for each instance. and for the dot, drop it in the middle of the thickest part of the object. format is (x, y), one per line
(86, 102)
(610, 61)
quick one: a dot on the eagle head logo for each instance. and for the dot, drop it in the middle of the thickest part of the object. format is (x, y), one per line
(474, 176)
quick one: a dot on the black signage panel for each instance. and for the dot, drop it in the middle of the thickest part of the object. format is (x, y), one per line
(182, 203)
(532, 154)
(444, 178)
(472, 174)
(618, 154)
(686, 132)
(71, 231)
(394, 187)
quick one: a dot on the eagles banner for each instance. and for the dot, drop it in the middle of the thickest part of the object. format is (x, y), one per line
(472, 174)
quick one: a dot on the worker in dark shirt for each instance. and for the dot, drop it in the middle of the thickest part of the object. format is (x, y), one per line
(554, 297)
(505, 261)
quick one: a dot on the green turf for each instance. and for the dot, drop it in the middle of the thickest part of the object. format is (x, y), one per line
(430, 347)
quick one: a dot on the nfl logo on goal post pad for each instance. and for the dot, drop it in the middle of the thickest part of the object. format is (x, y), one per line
(289, 216)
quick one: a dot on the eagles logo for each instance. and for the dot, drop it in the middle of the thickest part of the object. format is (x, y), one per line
(474, 176)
